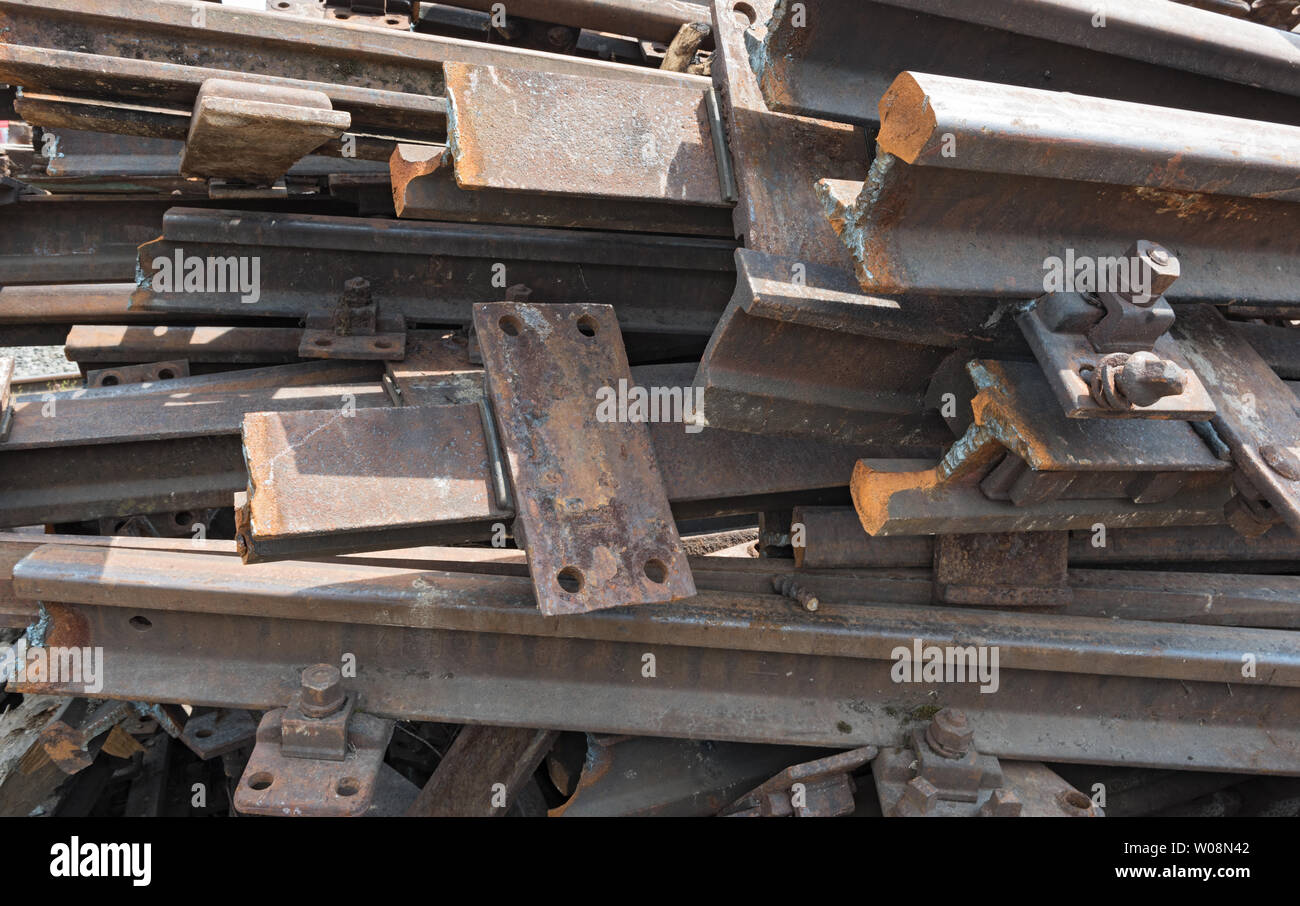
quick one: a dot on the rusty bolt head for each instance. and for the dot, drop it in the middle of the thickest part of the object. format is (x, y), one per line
(1155, 269)
(322, 690)
(921, 795)
(950, 734)
(1146, 379)
(356, 292)
(1282, 460)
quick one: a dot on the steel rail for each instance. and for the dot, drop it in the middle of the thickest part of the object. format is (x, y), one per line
(432, 272)
(728, 666)
(835, 59)
(987, 221)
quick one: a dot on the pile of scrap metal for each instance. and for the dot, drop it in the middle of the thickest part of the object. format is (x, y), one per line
(677, 407)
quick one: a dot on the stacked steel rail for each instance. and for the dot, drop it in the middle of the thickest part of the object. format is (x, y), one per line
(423, 354)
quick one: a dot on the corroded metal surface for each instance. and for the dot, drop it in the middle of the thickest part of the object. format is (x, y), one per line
(434, 272)
(939, 229)
(863, 363)
(590, 498)
(814, 59)
(569, 135)
(424, 188)
(1023, 466)
(397, 468)
(1256, 412)
(780, 157)
(522, 667)
(207, 404)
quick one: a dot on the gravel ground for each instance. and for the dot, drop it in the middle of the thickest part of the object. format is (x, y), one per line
(37, 361)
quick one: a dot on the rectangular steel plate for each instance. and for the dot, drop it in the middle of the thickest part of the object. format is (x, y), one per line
(561, 134)
(344, 471)
(589, 495)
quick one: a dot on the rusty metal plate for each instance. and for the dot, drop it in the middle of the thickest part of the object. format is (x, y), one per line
(590, 498)
(151, 373)
(275, 784)
(1011, 569)
(219, 731)
(256, 132)
(572, 135)
(1257, 415)
(415, 466)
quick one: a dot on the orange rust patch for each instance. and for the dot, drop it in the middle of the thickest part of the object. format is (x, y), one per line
(907, 119)
(69, 628)
(872, 491)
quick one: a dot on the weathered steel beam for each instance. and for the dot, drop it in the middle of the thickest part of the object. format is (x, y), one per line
(801, 352)
(778, 158)
(46, 70)
(812, 60)
(424, 188)
(98, 343)
(990, 220)
(432, 272)
(203, 405)
(75, 238)
(291, 47)
(560, 134)
(833, 539)
(657, 21)
(729, 667)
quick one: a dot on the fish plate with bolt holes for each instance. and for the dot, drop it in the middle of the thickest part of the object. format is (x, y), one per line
(590, 499)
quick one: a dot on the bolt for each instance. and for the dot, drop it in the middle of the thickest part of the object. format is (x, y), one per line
(322, 690)
(950, 734)
(784, 585)
(1155, 268)
(1282, 460)
(1146, 379)
(920, 796)
(356, 292)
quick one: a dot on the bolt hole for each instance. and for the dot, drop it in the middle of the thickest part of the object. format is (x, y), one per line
(203, 734)
(184, 518)
(587, 326)
(348, 786)
(140, 623)
(342, 15)
(391, 21)
(510, 325)
(745, 15)
(260, 781)
(656, 571)
(570, 579)
(383, 344)
(110, 380)
(282, 5)
(166, 374)
(322, 341)
(1075, 799)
